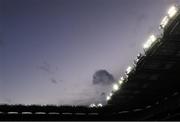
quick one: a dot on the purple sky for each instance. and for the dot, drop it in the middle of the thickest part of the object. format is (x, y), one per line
(50, 49)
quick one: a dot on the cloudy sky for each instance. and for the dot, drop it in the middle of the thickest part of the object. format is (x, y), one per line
(50, 49)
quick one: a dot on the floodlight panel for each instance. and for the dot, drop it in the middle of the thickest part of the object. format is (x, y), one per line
(164, 22)
(150, 41)
(137, 60)
(172, 11)
(152, 38)
(92, 105)
(120, 82)
(128, 70)
(122, 78)
(146, 45)
(108, 98)
(115, 87)
(110, 94)
(99, 105)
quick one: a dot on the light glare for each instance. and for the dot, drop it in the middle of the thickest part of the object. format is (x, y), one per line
(120, 82)
(110, 94)
(99, 105)
(149, 42)
(172, 11)
(92, 105)
(115, 87)
(122, 78)
(128, 70)
(137, 60)
(164, 22)
(108, 98)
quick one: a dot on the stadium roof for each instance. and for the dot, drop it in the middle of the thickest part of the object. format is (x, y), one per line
(155, 74)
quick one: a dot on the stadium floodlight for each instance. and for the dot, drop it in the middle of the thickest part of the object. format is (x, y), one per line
(120, 82)
(138, 56)
(122, 78)
(92, 105)
(164, 22)
(137, 60)
(115, 87)
(172, 11)
(150, 41)
(108, 98)
(99, 105)
(110, 94)
(129, 69)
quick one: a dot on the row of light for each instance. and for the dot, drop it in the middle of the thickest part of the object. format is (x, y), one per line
(171, 13)
(94, 105)
(117, 86)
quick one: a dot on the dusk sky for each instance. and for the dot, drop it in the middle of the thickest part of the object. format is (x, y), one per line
(50, 49)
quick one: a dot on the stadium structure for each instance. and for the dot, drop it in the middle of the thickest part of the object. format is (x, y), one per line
(149, 89)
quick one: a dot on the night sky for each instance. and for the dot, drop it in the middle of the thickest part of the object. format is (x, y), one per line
(50, 49)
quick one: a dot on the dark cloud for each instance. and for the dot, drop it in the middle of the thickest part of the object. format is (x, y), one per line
(102, 77)
(45, 67)
(54, 81)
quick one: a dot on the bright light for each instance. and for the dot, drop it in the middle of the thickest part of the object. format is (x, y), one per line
(99, 105)
(139, 55)
(137, 60)
(172, 11)
(108, 98)
(115, 87)
(128, 70)
(120, 82)
(110, 94)
(149, 42)
(92, 105)
(164, 22)
(122, 78)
